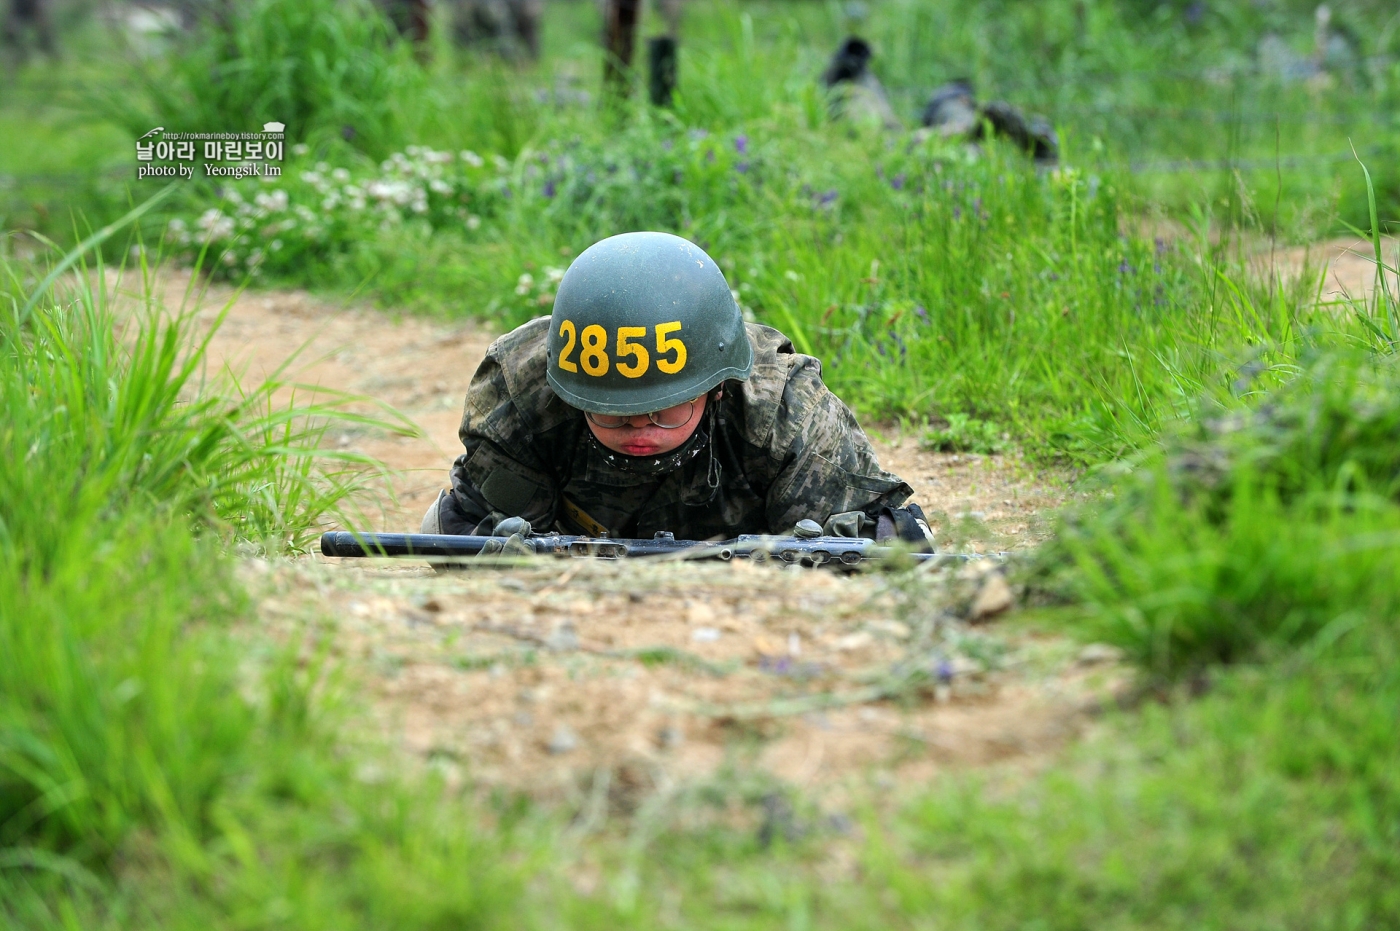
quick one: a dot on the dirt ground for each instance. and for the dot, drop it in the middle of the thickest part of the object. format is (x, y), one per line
(1347, 265)
(588, 679)
(608, 683)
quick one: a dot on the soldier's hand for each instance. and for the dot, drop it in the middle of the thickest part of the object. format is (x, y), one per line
(846, 524)
(508, 539)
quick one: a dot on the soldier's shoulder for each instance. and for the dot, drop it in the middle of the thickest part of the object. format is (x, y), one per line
(520, 361)
(524, 345)
(782, 379)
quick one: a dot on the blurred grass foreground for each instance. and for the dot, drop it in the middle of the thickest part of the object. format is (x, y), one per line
(164, 763)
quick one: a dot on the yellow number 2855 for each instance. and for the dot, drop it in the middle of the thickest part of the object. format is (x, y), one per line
(631, 356)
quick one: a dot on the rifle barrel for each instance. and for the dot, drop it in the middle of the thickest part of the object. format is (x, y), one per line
(758, 547)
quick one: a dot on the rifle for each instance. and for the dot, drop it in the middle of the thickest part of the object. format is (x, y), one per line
(805, 551)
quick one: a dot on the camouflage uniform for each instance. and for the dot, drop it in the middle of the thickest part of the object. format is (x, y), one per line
(774, 450)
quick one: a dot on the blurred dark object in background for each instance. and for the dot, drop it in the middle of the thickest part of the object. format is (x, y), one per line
(619, 38)
(661, 70)
(26, 22)
(854, 93)
(410, 18)
(510, 28)
(953, 111)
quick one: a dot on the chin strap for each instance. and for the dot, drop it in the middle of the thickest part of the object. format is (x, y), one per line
(712, 473)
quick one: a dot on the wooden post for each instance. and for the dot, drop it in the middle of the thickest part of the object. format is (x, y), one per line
(661, 69)
(619, 35)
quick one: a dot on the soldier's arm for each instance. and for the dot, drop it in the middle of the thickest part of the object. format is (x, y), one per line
(498, 474)
(826, 463)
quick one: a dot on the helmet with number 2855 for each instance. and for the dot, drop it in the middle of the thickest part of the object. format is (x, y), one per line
(641, 322)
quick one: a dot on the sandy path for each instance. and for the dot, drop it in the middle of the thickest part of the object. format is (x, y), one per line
(1347, 265)
(567, 680)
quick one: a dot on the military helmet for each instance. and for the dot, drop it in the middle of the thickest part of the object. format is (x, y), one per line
(643, 321)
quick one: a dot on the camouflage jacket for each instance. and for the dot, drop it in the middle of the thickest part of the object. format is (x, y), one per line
(775, 449)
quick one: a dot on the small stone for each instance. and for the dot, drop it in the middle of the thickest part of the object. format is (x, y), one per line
(704, 635)
(897, 629)
(562, 638)
(669, 738)
(854, 641)
(994, 598)
(763, 646)
(564, 740)
(1096, 653)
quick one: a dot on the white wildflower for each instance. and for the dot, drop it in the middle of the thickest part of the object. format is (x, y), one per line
(555, 275)
(311, 177)
(330, 203)
(255, 258)
(301, 148)
(272, 202)
(323, 167)
(473, 222)
(500, 163)
(305, 212)
(420, 206)
(524, 284)
(440, 186)
(397, 192)
(215, 225)
(471, 158)
(228, 258)
(275, 245)
(341, 175)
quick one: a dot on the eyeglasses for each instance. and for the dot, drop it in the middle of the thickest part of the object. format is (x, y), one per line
(672, 418)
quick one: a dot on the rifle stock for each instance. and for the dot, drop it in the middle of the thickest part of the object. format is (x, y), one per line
(807, 551)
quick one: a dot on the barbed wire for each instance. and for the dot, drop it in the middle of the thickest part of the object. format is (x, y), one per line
(1212, 165)
(1304, 68)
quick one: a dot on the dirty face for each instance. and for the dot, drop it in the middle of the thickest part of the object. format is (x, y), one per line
(641, 435)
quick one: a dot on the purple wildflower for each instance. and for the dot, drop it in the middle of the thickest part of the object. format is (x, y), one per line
(710, 156)
(944, 671)
(741, 144)
(1124, 268)
(897, 182)
(742, 167)
(549, 188)
(920, 312)
(828, 197)
(957, 213)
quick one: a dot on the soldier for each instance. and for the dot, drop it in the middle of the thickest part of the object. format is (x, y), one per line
(853, 90)
(644, 403)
